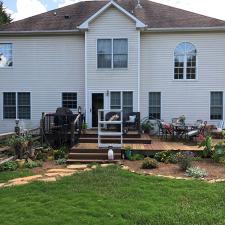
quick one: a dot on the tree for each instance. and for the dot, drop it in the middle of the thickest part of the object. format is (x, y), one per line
(4, 16)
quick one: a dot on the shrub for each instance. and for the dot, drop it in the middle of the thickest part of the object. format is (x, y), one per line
(219, 152)
(60, 161)
(166, 157)
(149, 163)
(207, 144)
(10, 165)
(32, 164)
(196, 172)
(137, 157)
(184, 161)
(60, 153)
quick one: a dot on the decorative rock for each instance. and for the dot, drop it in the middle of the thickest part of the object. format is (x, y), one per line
(2, 185)
(107, 164)
(94, 167)
(125, 167)
(19, 182)
(65, 174)
(51, 174)
(77, 167)
(61, 171)
(30, 178)
(48, 179)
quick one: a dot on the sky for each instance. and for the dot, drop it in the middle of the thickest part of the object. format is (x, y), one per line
(20, 9)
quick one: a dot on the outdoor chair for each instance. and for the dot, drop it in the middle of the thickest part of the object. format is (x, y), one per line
(165, 129)
(132, 121)
(198, 132)
(113, 116)
(217, 131)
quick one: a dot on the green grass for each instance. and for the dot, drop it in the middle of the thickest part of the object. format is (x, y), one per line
(109, 196)
(8, 175)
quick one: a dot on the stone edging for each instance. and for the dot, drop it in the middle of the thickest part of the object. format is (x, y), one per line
(212, 181)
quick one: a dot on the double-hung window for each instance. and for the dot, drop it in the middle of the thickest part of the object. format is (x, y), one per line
(6, 55)
(16, 105)
(122, 100)
(185, 57)
(154, 105)
(112, 53)
(69, 100)
(216, 105)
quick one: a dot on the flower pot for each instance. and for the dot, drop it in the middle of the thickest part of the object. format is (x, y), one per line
(20, 163)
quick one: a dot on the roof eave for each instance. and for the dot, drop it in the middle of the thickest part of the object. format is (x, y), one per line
(46, 32)
(186, 29)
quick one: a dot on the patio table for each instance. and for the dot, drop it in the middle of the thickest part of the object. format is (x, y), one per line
(181, 130)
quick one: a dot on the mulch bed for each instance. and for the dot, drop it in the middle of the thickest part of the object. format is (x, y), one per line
(46, 166)
(214, 170)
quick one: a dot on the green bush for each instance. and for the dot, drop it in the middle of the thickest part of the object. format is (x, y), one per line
(149, 163)
(184, 161)
(10, 165)
(60, 161)
(137, 157)
(219, 152)
(60, 153)
(32, 164)
(166, 157)
(196, 172)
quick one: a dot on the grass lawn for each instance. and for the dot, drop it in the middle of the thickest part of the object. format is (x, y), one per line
(8, 175)
(111, 196)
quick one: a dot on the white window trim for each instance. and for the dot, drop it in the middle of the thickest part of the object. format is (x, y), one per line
(2, 106)
(112, 41)
(69, 92)
(185, 64)
(210, 105)
(155, 106)
(8, 67)
(121, 98)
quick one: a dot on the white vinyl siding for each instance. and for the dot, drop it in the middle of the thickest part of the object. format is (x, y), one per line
(45, 66)
(112, 24)
(182, 97)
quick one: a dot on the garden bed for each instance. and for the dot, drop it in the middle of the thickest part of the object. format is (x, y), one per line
(214, 170)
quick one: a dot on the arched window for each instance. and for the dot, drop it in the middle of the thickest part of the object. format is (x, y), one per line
(185, 61)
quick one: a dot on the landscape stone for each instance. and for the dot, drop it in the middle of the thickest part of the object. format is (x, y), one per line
(48, 179)
(61, 171)
(29, 178)
(78, 167)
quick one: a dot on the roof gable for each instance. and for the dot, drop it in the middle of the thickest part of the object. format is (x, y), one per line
(85, 24)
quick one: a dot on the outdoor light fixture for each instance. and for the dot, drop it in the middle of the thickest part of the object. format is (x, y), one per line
(107, 93)
(79, 109)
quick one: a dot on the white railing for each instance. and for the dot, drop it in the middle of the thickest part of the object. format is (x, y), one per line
(104, 133)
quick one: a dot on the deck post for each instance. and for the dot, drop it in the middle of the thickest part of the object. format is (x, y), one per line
(42, 128)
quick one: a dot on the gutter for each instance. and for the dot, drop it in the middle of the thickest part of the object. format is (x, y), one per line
(42, 32)
(185, 29)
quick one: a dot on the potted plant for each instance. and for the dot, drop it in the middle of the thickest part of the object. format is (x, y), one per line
(84, 127)
(18, 143)
(146, 127)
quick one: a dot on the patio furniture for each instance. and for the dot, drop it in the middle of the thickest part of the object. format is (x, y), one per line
(200, 132)
(165, 129)
(132, 121)
(217, 130)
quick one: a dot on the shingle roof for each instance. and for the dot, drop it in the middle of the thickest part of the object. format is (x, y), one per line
(154, 15)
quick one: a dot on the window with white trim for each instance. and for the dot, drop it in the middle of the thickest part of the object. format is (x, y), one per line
(69, 100)
(6, 55)
(112, 53)
(185, 62)
(155, 105)
(216, 105)
(16, 105)
(122, 100)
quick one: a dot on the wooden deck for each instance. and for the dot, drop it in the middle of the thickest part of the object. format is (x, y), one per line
(156, 145)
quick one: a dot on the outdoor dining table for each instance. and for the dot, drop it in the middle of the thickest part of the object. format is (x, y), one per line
(181, 130)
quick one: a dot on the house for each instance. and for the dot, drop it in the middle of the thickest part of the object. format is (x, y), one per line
(136, 55)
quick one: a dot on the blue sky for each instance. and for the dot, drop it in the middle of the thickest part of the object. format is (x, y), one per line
(24, 8)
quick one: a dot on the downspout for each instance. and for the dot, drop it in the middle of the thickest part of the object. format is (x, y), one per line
(85, 71)
(139, 69)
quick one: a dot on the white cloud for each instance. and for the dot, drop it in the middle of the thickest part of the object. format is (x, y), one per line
(27, 8)
(212, 8)
(67, 2)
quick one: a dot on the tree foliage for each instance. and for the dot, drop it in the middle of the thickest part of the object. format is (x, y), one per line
(4, 16)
